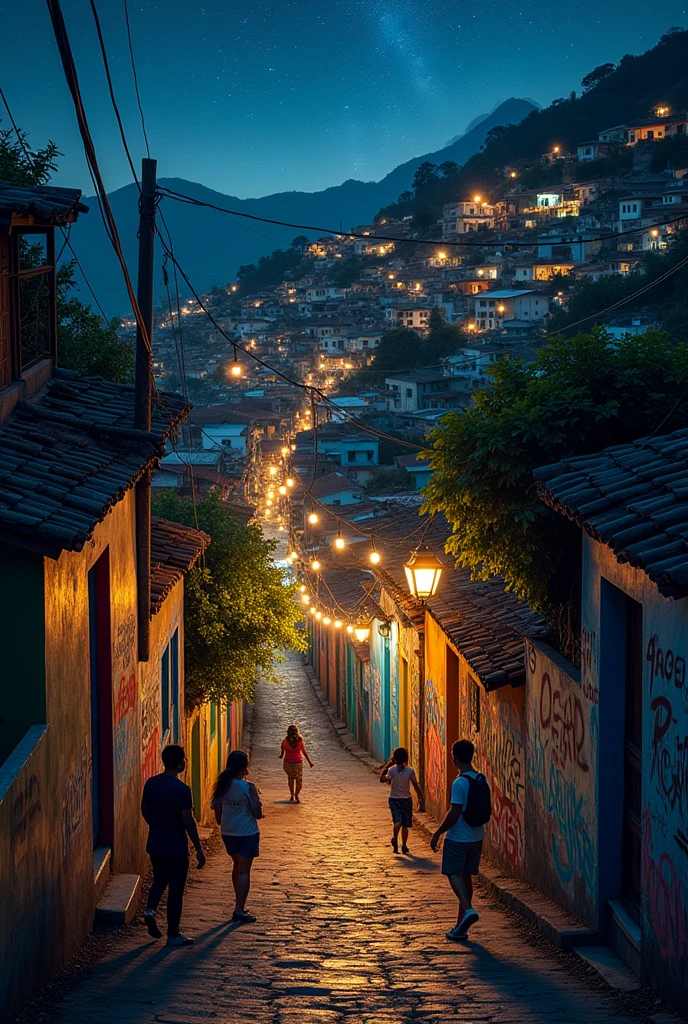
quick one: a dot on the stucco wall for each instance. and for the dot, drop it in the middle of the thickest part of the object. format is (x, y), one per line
(664, 896)
(495, 723)
(561, 795)
(434, 696)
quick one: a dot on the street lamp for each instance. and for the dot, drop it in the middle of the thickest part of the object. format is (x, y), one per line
(289, 482)
(313, 518)
(423, 571)
(315, 565)
(362, 631)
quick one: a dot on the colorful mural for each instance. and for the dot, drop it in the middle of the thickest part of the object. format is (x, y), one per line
(435, 740)
(500, 756)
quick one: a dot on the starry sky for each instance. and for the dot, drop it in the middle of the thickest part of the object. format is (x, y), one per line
(274, 95)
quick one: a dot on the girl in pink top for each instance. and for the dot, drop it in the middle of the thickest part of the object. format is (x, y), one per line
(292, 753)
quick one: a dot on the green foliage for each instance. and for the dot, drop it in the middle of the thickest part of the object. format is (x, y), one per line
(271, 270)
(399, 349)
(578, 396)
(22, 165)
(239, 609)
(84, 343)
(389, 481)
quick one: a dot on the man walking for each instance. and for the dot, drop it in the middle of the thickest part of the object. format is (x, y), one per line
(464, 824)
(167, 806)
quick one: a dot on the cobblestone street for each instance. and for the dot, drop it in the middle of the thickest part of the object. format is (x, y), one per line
(345, 931)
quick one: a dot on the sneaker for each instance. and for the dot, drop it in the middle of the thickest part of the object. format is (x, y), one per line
(405, 849)
(243, 917)
(179, 940)
(395, 845)
(457, 933)
(468, 919)
(152, 925)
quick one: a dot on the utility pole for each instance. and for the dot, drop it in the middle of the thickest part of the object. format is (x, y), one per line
(143, 396)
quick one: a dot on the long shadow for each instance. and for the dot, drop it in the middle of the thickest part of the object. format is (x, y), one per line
(410, 860)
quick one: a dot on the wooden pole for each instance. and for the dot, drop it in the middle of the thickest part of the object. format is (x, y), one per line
(143, 395)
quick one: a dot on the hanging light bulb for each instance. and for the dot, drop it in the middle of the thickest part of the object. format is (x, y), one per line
(305, 598)
(312, 609)
(326, 620)
(318, 615)
(236, 369)
(313, 518)
(302, 588)
(362, 631)
(375, 557)
(283, 489)
(423, 571)
(338, 623)
(269, 502)
(315, 565)
(285, 450)
(349, 628)
(339, 541)
(289, 482)
(272, 470)
(293, 557)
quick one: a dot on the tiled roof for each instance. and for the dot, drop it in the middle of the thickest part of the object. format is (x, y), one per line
(46, 203)
(174, 550)
(634, 498)
(68, 456)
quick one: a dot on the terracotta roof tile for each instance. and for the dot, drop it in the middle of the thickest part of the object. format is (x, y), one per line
(634, 498)
(174, 550)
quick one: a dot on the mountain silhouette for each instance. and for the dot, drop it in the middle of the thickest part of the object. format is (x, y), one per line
(211, 246)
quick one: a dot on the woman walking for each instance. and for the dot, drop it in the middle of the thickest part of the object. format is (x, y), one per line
(293, 751)
(237, 809)
(400, 776)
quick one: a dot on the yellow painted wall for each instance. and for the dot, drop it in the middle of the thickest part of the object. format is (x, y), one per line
(434, 695)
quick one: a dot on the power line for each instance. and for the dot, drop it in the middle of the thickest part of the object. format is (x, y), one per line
(136, 78)
(517, 243)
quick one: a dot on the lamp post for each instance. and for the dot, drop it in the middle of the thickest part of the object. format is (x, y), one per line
(423, 572)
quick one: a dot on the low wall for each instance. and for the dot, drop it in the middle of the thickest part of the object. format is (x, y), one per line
(44, 870)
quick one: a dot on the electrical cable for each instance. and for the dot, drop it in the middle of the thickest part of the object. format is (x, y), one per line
(182, 198)
(70, 72)
(135, 77)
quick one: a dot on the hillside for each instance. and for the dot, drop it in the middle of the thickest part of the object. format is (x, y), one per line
(624, 92)
(211, 246)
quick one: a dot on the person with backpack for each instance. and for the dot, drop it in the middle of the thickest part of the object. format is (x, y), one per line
(401, 776)
(464, 824)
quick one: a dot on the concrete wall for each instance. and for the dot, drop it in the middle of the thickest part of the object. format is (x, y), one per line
(664, 895)
(561, 794)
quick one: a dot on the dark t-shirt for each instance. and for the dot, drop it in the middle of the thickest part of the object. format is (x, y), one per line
(164, 799)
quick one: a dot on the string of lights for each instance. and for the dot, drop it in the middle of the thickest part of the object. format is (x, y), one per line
(515, 243)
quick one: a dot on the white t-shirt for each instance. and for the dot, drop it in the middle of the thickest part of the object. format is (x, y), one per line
(237, 819)
(461, 832)
(401, 781)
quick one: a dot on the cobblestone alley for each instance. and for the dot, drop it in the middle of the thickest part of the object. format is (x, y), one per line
(345, 931)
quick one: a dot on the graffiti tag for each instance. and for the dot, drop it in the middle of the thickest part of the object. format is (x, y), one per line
(562, 720)
(669, 757)
(665, 664)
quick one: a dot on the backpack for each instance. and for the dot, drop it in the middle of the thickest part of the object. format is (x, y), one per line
(478, 809)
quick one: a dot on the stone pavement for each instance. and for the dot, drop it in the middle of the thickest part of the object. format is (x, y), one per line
(346, 931)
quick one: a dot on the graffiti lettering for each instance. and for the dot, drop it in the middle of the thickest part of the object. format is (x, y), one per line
(149, 762)
(125, 700)
(669, 757)
(124, 644)
(667, 905)
(435, 740)
(25, 808)
(665, 664)
(74, 803)
(562, 719)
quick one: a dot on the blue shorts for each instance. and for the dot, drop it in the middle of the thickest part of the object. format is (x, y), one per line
(242, 846)
(461, 858)
(402, 811)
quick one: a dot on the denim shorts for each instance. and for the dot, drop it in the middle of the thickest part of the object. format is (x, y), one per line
(242, 846)
(402, 811)
(461, 858)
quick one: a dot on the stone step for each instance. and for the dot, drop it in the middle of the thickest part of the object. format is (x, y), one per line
(608, 966)
(118, 903)
(560, 928)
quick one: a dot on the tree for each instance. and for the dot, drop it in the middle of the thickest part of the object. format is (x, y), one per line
(389, 481)
(425, 176)
(443, 339)
(578, 396)
(597, 75)
(240, 609)
(449, 169)
(85, 343)
(399, 349)
(405, 197)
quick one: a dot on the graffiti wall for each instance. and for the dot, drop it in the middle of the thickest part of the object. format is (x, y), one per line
(495, 722)
(664, 858)
(434, 699)
(561, 796)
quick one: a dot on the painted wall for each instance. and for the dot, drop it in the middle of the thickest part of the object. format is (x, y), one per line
(495, 723)
(434, 697)
(561, 793)
(211, 731)
(664, 895)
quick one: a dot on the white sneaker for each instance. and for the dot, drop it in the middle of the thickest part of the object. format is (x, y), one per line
(468, 919)
(180, 940)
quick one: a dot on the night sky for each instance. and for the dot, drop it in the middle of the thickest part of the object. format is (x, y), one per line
(273, 95)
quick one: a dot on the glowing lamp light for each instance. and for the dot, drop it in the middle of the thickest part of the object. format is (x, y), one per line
(315, 565)
(340, 543)
(513, 174)
(375, 557)
(423, 571)
(318, 616)
(235, 368)
(349, 628)
(272, 470)
(441, 255)
(326, 620)
(476, 199)
(305, 598)
(271, 494)
(555, 149)
(289, 481)
(362, 631)
(313, 518)
(269, 502)
(654, 233)
(286, 450)
(501, 309)
(283, 489)
(471, 327)
(312, 610)
(293, 556)
(338, 623)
